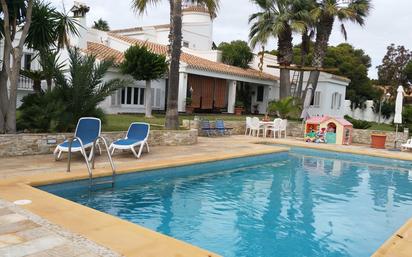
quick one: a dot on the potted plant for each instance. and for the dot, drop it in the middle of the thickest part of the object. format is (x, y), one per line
(239, 107)
(189, 107)
(378, 141)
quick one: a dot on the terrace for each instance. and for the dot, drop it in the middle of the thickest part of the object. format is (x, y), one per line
(63, 223)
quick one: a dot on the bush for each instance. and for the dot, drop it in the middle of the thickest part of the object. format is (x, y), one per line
(359, 124)
(288, 107)
(72, 98)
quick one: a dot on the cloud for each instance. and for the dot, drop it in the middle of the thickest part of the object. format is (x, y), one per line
(389, 22)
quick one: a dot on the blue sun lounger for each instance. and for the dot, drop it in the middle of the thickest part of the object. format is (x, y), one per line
(221, 129)
(87, 130)
(137, 135)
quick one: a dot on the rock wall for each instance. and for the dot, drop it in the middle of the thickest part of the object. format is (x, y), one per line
(295, 130)
(32, 144)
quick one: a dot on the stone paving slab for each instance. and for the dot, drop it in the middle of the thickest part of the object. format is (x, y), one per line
(23, 234)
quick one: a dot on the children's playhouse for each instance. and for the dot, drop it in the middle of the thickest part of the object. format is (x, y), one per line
(329, 130)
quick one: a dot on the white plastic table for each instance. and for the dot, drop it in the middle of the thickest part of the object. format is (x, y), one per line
(266, 125)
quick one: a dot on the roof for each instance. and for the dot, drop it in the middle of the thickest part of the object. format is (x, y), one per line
(321, 119)
(137, 29)
(194, 62)
(195, 8)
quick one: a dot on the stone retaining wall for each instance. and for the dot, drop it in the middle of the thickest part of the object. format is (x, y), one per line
(295, 130)
(31, 144)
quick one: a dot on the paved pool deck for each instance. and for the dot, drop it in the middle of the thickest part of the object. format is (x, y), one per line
(113, 235)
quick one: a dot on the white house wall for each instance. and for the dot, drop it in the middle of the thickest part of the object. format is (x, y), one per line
(112, 104)
(327, 89)
(367, 113)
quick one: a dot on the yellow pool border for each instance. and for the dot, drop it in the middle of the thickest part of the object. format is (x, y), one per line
(121, 236)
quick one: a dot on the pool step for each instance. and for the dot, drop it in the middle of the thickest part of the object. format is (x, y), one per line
(102, 183)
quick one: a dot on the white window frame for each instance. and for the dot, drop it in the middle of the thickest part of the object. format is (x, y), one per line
(139, 104)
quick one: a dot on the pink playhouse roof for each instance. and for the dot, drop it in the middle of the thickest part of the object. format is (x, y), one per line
(321, 119)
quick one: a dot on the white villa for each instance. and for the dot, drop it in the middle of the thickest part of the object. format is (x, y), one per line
(211, 84)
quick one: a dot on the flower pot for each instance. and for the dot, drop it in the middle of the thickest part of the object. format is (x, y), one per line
(238, 110)
(189, 109)
(378, 141)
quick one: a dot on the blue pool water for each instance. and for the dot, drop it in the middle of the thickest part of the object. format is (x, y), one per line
(296, 204)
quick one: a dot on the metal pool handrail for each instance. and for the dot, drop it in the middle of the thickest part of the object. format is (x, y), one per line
(83, 151)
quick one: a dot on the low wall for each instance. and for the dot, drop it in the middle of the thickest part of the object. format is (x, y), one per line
(32, 144)
(295, 130)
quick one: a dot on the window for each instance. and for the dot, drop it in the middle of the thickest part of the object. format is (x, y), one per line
(132, 96)
(186, 44)
(336, 101)
(27, 61)
(260, 91)
(316, 99)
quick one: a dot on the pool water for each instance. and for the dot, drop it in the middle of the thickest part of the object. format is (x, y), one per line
(301, 203)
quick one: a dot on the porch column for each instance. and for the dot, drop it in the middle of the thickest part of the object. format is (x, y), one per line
(181, 106)
(231, 96)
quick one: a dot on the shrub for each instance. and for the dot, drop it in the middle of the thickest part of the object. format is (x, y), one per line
(359, 124)
(71, 98)
(288, 107)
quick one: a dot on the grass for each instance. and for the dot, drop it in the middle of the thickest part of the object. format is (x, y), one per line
(382, 126)
(121, 122)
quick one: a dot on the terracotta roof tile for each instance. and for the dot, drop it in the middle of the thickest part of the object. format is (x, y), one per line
(199, 63)
(103, 52)
(136, 29)
(127, 30)
(195, 9)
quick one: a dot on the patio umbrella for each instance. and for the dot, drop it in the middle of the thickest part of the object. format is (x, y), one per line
(306, 104)
(398, 110)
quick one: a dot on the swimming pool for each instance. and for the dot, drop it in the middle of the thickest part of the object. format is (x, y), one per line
(301, 203)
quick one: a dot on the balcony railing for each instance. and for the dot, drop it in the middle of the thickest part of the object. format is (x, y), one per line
(25, 83)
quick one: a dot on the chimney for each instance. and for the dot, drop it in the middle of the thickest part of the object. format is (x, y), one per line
(80, 11)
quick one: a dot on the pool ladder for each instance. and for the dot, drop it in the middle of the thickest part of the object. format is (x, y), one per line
(90, 163)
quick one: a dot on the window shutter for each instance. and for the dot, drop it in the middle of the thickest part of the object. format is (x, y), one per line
(153, 97)
(158, 96)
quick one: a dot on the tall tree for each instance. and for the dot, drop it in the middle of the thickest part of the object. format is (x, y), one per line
(15, 14)
(142, 64)
(277, 18)
(325, 13)
(236, 53)
(101, 24)
(175, 49)
(392, 70)
(41, 28)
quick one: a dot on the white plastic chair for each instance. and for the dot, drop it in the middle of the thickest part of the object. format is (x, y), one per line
(247, 128)
(407, 145)
(255, 127)
(275, 128)
(282, 127)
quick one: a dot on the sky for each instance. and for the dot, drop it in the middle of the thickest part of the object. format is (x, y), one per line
(389, 22)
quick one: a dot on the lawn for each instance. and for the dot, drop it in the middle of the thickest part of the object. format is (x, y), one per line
(382, 126)
(120, 122)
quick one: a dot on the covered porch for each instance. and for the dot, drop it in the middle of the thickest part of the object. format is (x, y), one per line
(211, 92)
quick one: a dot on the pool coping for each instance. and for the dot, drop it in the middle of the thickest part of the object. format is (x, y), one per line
(121, 236)
(105, 227)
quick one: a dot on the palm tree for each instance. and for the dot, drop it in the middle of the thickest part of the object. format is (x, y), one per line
(324, 14)
(101, 24)
(175, 48)
(142, 64)
(277, 18)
